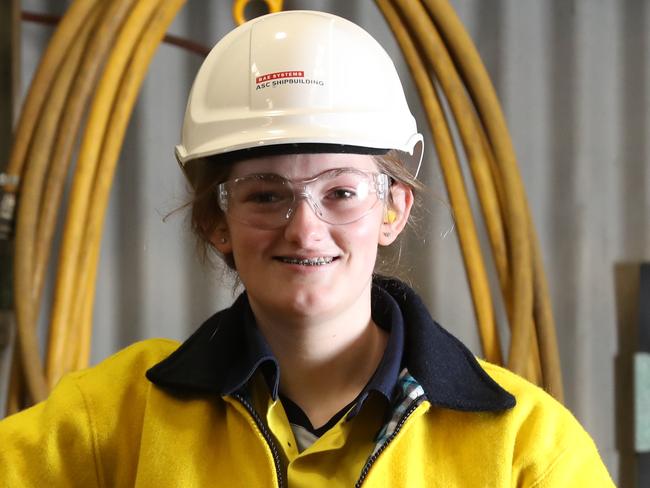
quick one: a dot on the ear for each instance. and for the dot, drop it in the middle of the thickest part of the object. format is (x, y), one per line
(220, 239)
(396, 213)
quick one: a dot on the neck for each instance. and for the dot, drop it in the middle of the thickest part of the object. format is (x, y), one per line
(324, 362)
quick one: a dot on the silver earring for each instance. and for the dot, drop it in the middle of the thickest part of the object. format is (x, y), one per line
(223, 240)
(386, 234)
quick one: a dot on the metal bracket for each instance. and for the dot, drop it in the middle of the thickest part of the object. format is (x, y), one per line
(7, 179)
(7, 209)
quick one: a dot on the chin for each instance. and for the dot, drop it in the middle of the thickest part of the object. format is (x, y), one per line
(304, 303)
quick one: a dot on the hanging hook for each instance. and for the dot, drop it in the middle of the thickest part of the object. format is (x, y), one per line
(239, 6)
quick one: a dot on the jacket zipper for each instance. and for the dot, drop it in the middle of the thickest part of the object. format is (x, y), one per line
(373, 458)
(267, 437)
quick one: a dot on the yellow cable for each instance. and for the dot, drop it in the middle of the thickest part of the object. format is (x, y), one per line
(26, 223)
(533, 364)
(17, 384)
(545, 325)
(437, 56)
(95, 55)
(89, 157)
(36, 176)
(496, 227)
(26, 292)
(474, 267)
(120, 116)
(80, 356)
(58, 46)
(54, 183)
(522, 239)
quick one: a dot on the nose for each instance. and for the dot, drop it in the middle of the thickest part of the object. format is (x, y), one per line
(304, 225)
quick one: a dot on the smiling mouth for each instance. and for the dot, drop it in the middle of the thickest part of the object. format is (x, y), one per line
(319, 261)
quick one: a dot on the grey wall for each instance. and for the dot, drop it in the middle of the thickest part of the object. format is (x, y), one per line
(573, 79)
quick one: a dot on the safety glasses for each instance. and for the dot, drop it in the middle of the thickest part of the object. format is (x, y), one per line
(337, 196)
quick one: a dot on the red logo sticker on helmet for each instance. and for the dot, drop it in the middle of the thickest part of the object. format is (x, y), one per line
(282, 78)
(279, 75)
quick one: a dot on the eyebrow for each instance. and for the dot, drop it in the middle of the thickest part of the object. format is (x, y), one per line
(301, 180)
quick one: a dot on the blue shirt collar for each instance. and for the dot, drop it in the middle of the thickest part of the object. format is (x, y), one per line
(386, 314)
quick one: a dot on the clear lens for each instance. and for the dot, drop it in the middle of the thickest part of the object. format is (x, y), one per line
(338, 196)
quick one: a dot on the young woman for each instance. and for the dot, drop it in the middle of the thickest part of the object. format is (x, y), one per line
(321, 373)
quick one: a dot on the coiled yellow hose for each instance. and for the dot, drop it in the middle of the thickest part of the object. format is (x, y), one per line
(480, 87)
(71, 27)
(28, 286)
(477, 275)
(28, 210)
(437, 55)
(73, 243)
(431, 36)
(97, 52)
(55, 181)
(86, 265)
(56, 50)
(92, 144)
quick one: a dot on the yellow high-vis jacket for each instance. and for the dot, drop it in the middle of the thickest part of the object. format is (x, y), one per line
(111, 426)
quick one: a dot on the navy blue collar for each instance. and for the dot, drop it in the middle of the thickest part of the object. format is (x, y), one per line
(224, 353)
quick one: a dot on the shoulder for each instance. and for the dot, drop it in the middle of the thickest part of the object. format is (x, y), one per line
(117, 379)
(135, 358)
(550, 445)
(534, 405)
(526, 393)
(92, 419)
(144, 353)
(125, 369)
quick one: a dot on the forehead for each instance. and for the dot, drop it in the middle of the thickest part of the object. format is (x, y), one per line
(302, 166)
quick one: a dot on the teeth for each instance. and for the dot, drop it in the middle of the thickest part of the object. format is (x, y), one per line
(320, 261)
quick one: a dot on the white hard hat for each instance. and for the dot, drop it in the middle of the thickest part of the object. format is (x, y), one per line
(294, 78)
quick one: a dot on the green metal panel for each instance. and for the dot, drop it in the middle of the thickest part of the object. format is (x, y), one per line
(642, 402)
